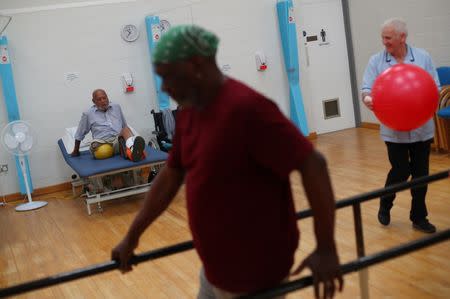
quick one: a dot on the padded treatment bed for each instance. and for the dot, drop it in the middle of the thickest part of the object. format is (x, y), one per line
(91, 170)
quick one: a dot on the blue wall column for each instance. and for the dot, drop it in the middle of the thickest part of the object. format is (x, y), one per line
(12, 108)
(288, 32)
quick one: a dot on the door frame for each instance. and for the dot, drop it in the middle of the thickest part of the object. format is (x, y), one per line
(351, 62)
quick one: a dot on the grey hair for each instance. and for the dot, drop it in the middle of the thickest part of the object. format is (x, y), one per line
(398, 24)
(97, 90)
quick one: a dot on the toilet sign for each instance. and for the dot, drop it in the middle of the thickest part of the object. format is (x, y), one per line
(4, 57)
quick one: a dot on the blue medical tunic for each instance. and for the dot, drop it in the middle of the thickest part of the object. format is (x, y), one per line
(381, 61)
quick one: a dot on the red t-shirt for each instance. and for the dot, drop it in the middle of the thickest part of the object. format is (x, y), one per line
(238, 153)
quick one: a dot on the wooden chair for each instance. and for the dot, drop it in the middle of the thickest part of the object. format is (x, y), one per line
(442, 135)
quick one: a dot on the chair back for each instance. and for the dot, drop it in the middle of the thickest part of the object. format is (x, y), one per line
(444, 75)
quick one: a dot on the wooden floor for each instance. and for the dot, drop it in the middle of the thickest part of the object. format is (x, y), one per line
(62, 237)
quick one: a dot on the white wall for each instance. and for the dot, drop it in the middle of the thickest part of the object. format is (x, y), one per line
(428, 26)
(46, 44)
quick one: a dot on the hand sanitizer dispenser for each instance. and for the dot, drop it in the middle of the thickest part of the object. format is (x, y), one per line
(128, 80)
(261, 63)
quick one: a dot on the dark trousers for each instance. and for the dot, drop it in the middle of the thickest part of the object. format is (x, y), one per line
(408, 159)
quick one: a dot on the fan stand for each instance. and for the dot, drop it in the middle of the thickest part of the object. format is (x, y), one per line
(30, 205)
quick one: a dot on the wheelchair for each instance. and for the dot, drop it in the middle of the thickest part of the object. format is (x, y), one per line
(160, 139)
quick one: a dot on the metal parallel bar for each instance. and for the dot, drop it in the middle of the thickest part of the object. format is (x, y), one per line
(360, 250)
(383, 191)
(356, 265)
(92, 270)
(177, 248)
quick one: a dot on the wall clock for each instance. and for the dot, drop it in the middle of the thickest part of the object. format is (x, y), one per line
(129, 33)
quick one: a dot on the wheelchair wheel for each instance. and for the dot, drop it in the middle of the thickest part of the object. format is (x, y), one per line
(151, 176)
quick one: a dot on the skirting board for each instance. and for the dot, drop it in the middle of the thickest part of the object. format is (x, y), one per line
(39, 191)
(312, 136)
(374, 126)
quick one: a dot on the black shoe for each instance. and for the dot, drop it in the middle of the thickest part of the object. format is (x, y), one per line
(384, 216)
(137, 152)
(424, 226)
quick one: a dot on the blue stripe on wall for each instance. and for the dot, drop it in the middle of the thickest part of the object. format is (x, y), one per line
(286, 22)
(12, 108)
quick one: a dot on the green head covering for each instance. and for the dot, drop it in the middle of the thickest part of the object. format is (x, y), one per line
(184, 41)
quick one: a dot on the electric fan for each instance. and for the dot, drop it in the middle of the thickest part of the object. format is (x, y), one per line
(17, 138)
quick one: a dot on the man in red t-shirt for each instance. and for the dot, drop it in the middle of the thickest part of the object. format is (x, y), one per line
(235, 150)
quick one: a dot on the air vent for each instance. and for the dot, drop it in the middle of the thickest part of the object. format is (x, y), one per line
(331, 108)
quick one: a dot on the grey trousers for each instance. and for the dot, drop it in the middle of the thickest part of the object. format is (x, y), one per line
(208, 291)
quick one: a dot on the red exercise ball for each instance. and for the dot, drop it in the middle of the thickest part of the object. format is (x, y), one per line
(405, 97)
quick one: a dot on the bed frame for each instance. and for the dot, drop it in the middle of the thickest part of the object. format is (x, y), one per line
(92, 173)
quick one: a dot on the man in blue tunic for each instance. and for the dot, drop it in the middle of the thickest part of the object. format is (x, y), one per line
(408, 151)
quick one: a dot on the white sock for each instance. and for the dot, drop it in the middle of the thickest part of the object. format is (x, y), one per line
(130, 141)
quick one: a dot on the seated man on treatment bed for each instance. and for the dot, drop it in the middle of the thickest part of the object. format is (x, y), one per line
(110, 132)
